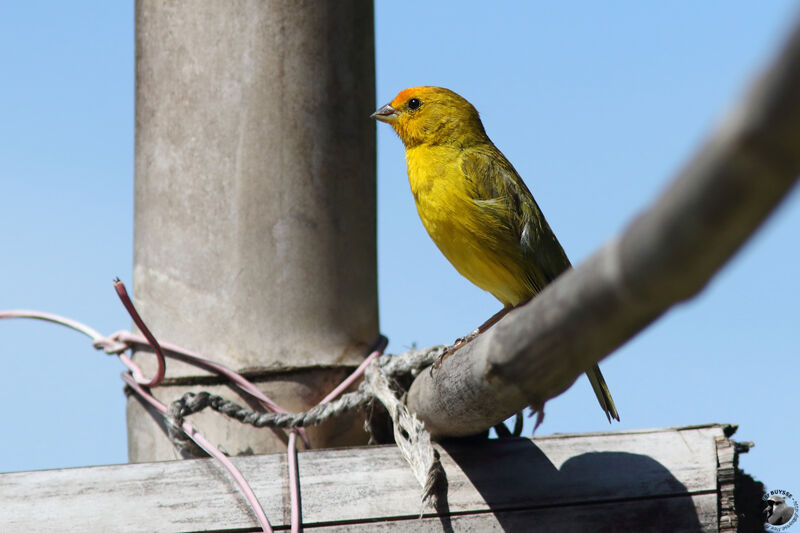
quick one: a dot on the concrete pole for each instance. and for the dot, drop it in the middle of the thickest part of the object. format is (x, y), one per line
(254, 238)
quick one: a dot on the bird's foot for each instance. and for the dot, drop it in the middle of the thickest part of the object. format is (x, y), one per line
(457, 345)
(463, 341)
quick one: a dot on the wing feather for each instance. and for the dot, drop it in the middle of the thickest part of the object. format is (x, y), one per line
(497, 187)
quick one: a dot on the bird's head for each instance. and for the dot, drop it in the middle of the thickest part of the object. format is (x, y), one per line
(432, 115)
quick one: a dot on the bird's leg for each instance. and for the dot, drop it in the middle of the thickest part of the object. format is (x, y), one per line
(463, 341)
(494, 319)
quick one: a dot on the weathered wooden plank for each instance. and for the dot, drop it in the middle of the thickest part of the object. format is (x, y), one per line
(726, 484)
(682, 514)
(581, 478)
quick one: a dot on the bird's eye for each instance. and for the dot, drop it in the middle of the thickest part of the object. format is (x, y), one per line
(414, 103)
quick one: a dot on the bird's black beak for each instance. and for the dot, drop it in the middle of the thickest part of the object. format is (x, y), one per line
(386, 114)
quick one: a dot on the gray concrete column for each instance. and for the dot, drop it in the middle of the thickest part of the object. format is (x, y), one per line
(254, 238)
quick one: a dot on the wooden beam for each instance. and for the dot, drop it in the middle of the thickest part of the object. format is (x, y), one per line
(553, 483)
(666, 255)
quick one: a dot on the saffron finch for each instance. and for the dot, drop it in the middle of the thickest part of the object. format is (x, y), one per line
(474, 204)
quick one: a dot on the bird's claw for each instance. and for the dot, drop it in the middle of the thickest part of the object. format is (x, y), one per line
(438, 363)
(457, 345)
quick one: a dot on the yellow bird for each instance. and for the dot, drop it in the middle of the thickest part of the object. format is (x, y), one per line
(475, 206)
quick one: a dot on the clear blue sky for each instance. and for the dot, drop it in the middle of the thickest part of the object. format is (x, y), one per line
(596, 106)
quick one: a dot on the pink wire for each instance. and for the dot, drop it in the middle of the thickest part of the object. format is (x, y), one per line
(294, 483)
(212, 450)
(123, 340)
(161, 365)
(50, 317)
(181, 354)
(357, 372)
(114, 344)
(294, 472)
(187, 356)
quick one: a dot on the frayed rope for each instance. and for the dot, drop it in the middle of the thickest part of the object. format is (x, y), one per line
(380, 383)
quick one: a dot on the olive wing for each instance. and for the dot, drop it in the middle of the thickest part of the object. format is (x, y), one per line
(497, 187)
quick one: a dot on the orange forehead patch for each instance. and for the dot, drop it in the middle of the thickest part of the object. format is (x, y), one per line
(409, 93)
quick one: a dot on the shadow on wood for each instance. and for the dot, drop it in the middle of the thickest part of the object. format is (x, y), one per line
(619, 486)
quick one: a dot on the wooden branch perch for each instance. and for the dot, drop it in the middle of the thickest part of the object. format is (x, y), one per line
(666, 255)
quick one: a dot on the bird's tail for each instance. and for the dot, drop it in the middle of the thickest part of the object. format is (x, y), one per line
(602, 392)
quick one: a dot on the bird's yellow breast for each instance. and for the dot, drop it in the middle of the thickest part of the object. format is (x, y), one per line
(471, 237)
